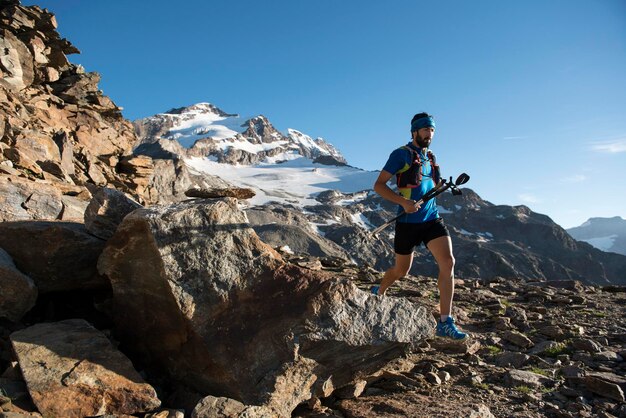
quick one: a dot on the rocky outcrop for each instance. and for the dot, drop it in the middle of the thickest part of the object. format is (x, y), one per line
(18, 290)
(236, 192)
(56, 125)
(58, 256)
(225, 314)
(72, 370)
(26, 199)
(106, 211)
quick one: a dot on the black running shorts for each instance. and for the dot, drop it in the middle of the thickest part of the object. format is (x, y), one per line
(409, 235)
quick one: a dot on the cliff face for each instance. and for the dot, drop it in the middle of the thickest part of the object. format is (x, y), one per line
(58, 132)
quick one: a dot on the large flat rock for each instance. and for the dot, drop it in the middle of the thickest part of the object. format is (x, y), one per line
(72, 370)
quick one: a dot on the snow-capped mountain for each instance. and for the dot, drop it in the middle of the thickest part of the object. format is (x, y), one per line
(203, 130)
(606, 234)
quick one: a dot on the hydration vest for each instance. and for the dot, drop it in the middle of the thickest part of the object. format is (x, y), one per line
(412, 177)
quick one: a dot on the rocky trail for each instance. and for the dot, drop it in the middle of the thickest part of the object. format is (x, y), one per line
(537, 349)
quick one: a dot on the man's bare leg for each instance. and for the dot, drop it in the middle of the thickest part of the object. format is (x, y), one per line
(441, 249)
(399, 270)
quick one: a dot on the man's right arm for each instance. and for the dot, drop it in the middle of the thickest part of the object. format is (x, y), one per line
(380, 187)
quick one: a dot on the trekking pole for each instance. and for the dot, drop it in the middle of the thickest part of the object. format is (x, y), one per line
(421, 201)
(441, 187)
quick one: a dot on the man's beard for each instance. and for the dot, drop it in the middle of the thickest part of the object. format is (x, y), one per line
(423, 143)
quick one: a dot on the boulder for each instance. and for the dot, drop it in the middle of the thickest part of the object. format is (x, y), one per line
(515, 378)
(517, 338)
(22, 199)
(512, 359)
(237, 192)
(604, 388)
(58, 256)
(72, 370)
(213, 407)
(198, 293)
(586, 344)
(19, 293)
(105, 212)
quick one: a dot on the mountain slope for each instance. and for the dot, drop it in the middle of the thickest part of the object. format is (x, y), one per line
(606, 234)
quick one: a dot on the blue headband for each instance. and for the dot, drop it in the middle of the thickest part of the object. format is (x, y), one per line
(424, 122)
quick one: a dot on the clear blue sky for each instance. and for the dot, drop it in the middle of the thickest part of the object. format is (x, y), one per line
(529, 96)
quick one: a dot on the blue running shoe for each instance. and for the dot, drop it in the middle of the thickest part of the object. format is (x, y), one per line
(449, 330)
(374, 289)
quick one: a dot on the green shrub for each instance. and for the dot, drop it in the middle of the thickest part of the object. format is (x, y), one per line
(493, 350)
(560, 348)
(541, 371)
(523, 389)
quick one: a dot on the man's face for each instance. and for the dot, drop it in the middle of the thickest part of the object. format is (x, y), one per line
(423, 137)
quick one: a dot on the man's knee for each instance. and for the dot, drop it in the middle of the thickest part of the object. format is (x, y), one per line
(400, 270)
(447, 263)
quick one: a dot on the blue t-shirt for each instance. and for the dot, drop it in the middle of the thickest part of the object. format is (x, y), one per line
(400, 161)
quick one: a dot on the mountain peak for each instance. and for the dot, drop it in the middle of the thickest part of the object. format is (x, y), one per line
(606, 234)
(200, 108)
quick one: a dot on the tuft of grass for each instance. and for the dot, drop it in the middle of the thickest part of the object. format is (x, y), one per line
(483, 386)
(523, 389)
(493, 350)
(541, 371)
(506, 303)
(595, 312)
(559, 349)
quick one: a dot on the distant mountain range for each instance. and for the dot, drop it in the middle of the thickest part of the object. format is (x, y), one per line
(606, 234)
(309, 201)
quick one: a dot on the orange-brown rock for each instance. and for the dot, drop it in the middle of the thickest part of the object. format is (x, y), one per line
(72, 370)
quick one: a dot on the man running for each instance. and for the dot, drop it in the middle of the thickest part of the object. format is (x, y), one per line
(416, 173)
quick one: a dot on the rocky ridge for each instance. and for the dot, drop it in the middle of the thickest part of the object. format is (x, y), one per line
(490, 240)
(60, 137)
(59, 133)
(204, 130)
